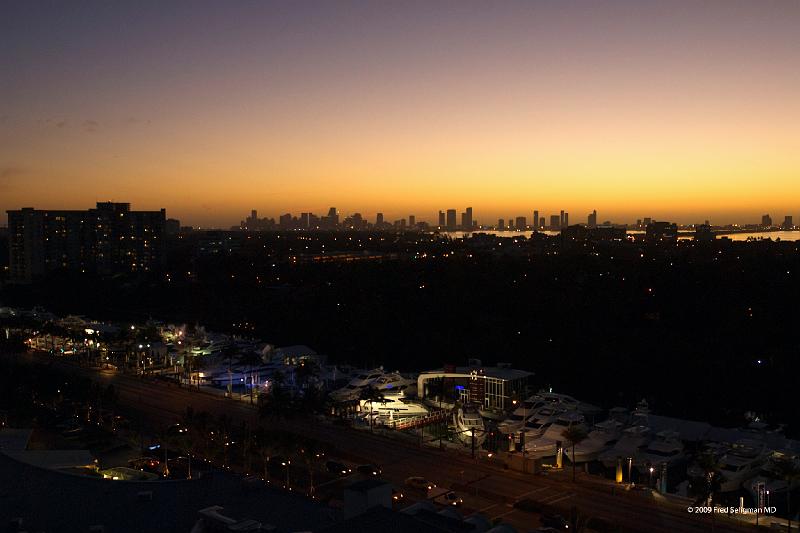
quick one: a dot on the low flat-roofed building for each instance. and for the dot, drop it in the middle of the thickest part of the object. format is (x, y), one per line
(489, 387)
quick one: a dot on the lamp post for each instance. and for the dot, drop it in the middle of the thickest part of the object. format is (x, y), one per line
(630, 467)
(650, 482)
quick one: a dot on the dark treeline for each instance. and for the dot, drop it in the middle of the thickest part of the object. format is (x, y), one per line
(704, 332)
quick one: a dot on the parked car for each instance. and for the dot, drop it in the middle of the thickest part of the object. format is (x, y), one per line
(556, 521)
(369, 470)
(444, 496)
(340, 469)
(420, 483)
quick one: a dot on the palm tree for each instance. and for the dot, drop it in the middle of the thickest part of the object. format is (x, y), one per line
(789, 471)
(229, 352)
(250, 359)
(277, 403)
(574, 434)
(709, 484)
(224, 425)
(262, 444)
(370, 394)
(312, 450)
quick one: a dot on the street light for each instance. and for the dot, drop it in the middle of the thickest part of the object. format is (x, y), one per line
(650, 483)
(630, 467)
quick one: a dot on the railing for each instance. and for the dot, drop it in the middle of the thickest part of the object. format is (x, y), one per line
(419, 421)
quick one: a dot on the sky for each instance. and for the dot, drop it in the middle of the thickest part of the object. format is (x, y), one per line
(682, 111)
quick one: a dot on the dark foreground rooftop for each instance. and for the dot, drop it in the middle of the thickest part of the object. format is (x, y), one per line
(54, 502)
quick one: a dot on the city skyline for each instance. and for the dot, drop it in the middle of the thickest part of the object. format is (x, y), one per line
(674, 111)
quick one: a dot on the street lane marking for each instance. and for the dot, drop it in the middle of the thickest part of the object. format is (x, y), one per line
(565, 497)
(532, 492)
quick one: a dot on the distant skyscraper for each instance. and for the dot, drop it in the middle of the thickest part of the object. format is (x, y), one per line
(787, 222)
(521, 223)
(466, 219)
(535, 222)
(766, 221)
(441, 219)
(561, 223)
(646, 221)
(542, 222)
(565, 222)
(451, 219)
(592, 222)
(555, 221)
(379, 220)
(412, 221)
(501, 224)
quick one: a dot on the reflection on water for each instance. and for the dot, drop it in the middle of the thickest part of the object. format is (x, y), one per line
(774, 235)
(507, 233)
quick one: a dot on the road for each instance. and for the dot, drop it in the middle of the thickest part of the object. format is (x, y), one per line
(486, 486)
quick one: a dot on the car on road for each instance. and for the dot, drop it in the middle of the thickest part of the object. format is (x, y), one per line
(340, 469)
(397, 495)
(444, 496)
(369, 470)
(147, 464)
(555, 521)
(418, 482)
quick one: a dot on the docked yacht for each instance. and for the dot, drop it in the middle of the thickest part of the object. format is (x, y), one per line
(516, 420)
(769, 477)
(394, 407)
(546, 444)
(666, 447)
(540, 421)
(602, 436)
(544, 398)
(632, 441)
(383, 382)
(468, 424)
(742, 462)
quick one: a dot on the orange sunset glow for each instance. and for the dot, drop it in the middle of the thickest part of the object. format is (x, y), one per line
(664, 109)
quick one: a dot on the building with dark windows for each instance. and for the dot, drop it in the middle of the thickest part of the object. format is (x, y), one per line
(110, 239)
(592, 219)
(451, 219)
(466, 219)
(656, 232)
(703, 233)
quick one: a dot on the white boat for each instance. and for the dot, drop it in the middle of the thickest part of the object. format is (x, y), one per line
(546, 445)
(633, 439)
(769, 478)
(468, 424)
(392, 382)
(603, 435)
(540, 421)
(394, 407)
(517, 418)
(544, 398)
(742, 462)
(353, 389)
(666, 447)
